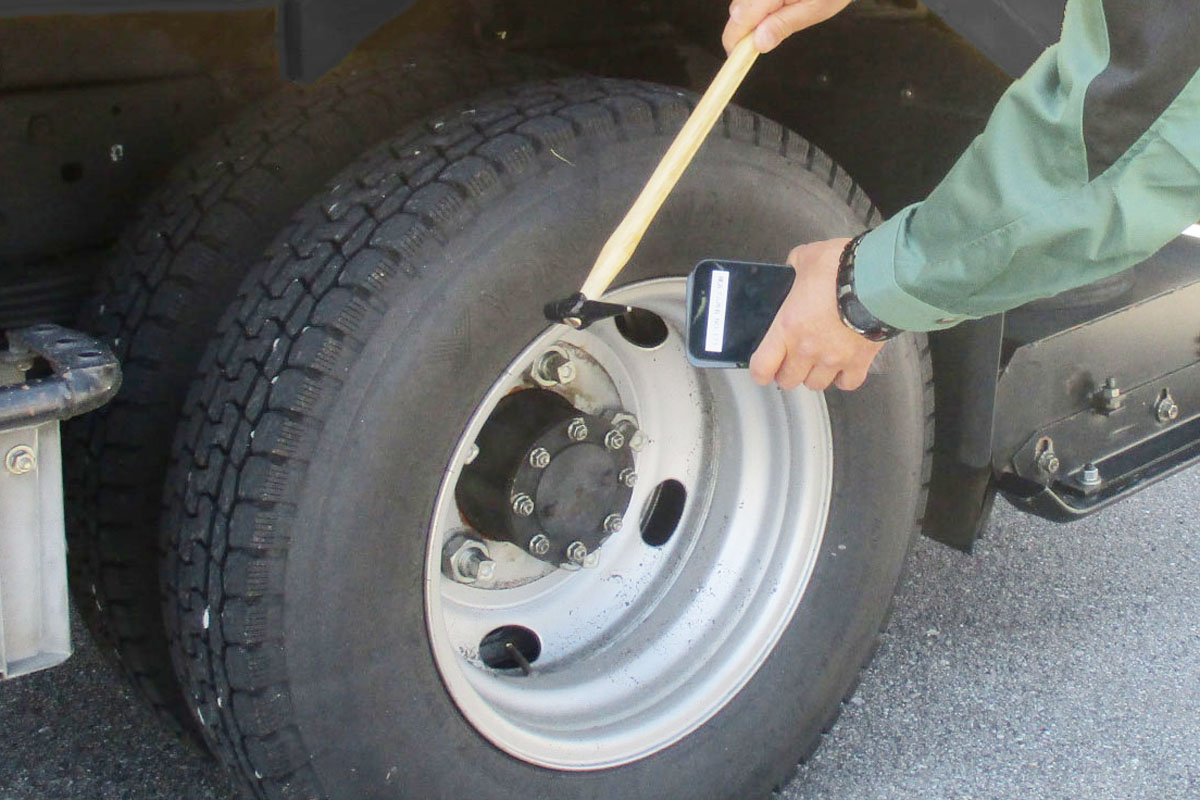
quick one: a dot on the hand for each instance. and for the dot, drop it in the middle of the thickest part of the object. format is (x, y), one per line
(807, 342)
(774, 20)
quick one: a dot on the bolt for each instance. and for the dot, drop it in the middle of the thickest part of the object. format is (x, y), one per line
(539, 458)
(1047, 460)
(907, 93)
(1090, 476)
(612, 523)
(553, 367)
(539, 544)
(637, 441)
(577, 552)
(522, 505)
(592, 560)
(20, 460)
(577, 430)
(1165, 408)
(1109, 398)
(472, 454)
(628, 477)
(614, 440)
(471, 563)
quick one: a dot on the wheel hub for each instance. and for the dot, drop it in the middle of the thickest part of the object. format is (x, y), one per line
(549, 478)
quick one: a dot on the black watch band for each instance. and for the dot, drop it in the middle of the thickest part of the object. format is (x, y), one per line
(853, 312)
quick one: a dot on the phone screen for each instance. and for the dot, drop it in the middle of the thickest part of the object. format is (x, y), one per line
(730, 307)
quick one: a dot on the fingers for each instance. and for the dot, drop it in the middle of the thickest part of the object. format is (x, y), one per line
(788, 20)
(820, 377)
(768, 358)
(849, 380)
(744, 16)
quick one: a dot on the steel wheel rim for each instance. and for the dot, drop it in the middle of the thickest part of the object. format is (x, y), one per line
(644, 649)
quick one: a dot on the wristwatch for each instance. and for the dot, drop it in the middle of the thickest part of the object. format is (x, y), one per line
(853, 312)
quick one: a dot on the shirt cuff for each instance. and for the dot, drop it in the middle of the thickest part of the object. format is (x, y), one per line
(876, 287)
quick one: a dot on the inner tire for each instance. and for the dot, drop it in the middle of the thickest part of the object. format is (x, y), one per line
(175, 269)
(336, 394)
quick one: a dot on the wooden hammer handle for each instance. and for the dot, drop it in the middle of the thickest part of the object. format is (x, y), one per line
(624, 240)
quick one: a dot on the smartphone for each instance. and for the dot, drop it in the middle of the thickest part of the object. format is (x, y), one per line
(730, 307)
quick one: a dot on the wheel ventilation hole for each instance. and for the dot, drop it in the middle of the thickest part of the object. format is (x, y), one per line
(642, 328)
(663, 512)
(510, 647)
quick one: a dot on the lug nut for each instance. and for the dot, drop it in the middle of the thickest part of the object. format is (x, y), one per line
(472, 564)
(637, 441)
(553, 367)
(539, 544)
(627, 477)
(577, 552)
(612, 523)
(591, 560)
(522, 505)
(1090, 476)
(578, 429)
(20, 460)
(539, 458)
(472, 454)
(614, 440)
(1165, 408)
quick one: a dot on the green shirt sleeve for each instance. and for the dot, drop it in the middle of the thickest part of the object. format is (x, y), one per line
(1023, 214)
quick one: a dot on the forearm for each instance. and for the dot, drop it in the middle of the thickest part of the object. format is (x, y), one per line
(1088, 165)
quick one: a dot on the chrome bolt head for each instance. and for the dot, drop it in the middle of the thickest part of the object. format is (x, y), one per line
(539, 458)
(1048, 462)
(577, 429)
(20, 460)
(614, 440)
(467, 560)
(612, 523)
(1090, 476)
(553, 367)
(539, 544)
(577, 552)
(522, 505)
(1165, 408)
(628, 477)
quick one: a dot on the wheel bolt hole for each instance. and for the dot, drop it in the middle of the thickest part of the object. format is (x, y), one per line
(663, 512)
(642, 328)
(510, 647)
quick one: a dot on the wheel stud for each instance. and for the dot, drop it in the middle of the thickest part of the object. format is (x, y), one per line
(577, 429)
(577, 552)
(628, 477)
(539, 544)
(553, 367)
(612, 523)
(539, 458)
(614, 440)
(522, 505)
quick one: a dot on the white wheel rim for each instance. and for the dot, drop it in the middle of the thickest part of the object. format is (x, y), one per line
(644, 649)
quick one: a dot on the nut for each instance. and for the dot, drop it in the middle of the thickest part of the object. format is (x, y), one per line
(539, 458)
(614, 440)
(522, 505)
(1165, 408)
(553, 367)
(539, 544)
(612, 523)
(1090, 475)
(20, 460)
(467, 560)
(577, 429)
(577, 552)
(1109, 398)
(628, 477)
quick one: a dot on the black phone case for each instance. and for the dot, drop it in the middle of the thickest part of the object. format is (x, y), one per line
(752, 296)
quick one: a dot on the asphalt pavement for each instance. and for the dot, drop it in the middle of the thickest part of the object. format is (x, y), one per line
(1056, 662)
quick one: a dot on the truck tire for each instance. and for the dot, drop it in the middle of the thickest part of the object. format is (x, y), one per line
(175, 269)
(334, 618)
